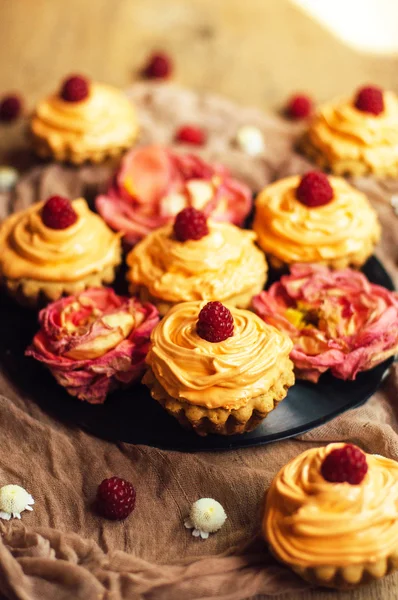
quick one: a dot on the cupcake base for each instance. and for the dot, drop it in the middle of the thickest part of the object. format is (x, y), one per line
(344, 166)
(31, 293)
(242, 300)
(222, 421)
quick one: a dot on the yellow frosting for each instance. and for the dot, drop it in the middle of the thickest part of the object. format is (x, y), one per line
(293, 232)
(29, 249)
(224, 374)
(309, 521)
(222, 264)
(104, 120)
(342, 132)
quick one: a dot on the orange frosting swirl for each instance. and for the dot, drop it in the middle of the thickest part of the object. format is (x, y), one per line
(104, 120)
(311, 522)
(224, 374)
(29, 249)
(293, 232)
(222, 264)
(341, 131)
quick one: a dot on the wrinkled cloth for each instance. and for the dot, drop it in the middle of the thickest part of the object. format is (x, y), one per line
(63, 550)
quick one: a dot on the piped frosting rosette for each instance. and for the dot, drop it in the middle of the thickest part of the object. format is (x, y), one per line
(154, 183)
(335, 534)
(94, 342)
(340, 233)
(337, 320)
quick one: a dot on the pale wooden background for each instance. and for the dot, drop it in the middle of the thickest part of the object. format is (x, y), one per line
(256, 51)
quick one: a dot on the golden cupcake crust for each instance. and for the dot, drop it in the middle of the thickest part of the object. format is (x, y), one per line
(336, 533)
(349, 141)
(103, 125)
(222, 265)
(36, 260)
(337, 232)
(226, 374)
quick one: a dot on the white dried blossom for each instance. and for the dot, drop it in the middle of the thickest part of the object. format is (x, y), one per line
(13, 500)
(206, 516)
(250, 140)
(8, 178)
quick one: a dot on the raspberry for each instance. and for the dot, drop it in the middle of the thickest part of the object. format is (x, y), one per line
(314, 189)
(159, 66)
(75, 89)
(58, 213)
(347, 464)
(370, 99)
(215, 322)
(10, 107)
(190, 134)
(115, 498)
(299, 107)
(190, 224)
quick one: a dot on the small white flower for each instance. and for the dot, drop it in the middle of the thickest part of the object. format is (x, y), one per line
(13, 500)
(8, 178)
(206, 516)
(394, 203)
(250, 140)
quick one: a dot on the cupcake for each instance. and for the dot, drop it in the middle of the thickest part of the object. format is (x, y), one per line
(56, 248)
(83, 121)
(196, 259)
(315, 219)
(331, 515)
(94, 342)
(217, 369)
(336, 320)
(357, 136)
(154, 183)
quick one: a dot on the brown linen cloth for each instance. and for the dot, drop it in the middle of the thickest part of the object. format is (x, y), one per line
(63, 550)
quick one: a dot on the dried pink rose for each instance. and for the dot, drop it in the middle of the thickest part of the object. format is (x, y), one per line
(337, 320)
(94, 342)
(154, 183)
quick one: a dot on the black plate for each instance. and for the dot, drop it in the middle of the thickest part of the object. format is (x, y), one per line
(132, 416)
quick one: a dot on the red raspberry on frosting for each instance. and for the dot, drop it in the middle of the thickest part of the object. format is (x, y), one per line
(75, 89)
(215, 322)
(345, 465)
(10, 108)
(159, 66)
(190, 224)
(299, 107)
(190, 134)
(115, 498)
(370, 99)
(314, 189)
(58, 213)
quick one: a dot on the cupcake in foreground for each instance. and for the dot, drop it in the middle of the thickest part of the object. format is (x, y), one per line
(217, 369)
(83, 121)
(315, 219)
(331, 514)
(356, 136)
(337, 320)
(94, 342)
(196, 259)
(153, 184)
(54, 248)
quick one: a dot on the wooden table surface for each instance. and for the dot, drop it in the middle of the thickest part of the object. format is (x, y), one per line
(255, 51)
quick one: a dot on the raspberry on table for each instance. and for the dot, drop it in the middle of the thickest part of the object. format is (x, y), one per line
(345, 465)
(190, 224)
(370, 99)
(159, 66)
(75, 88)
(58, 213)
(215, 322)
(299, 106)
(115, 498)
(10, 108)
(191, 134)
(314, 189)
